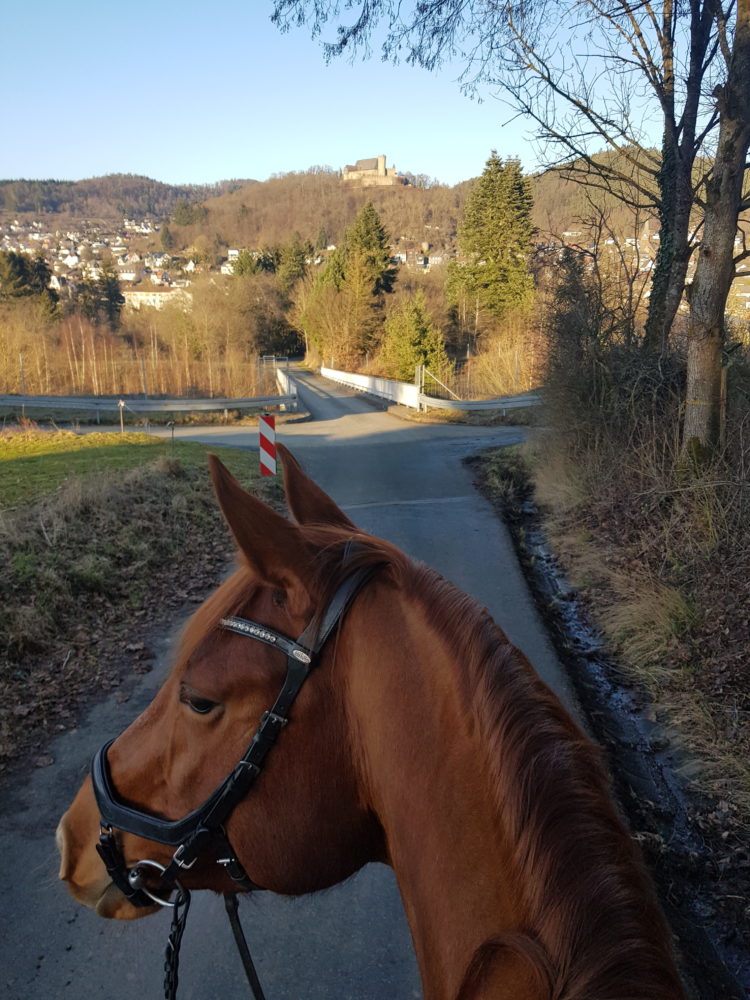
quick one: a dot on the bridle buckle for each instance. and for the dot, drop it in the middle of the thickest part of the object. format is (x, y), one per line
(177, 859)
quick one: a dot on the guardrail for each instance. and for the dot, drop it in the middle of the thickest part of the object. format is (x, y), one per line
(287, 386)
(408, 394)
(99, 404)
(501, 403)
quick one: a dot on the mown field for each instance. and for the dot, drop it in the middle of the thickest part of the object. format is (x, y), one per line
(101, 535)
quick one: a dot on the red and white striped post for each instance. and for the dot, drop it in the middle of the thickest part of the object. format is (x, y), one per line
(267, 442)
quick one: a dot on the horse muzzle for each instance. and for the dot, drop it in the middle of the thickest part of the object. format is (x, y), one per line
(81, 867)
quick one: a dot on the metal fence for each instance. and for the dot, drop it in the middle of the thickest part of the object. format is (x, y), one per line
(277, 374)
(140, 405)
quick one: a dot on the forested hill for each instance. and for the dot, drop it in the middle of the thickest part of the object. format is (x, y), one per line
(316, 203)
(320, 206)
(111, 197)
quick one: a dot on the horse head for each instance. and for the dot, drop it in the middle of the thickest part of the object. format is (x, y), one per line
(305, 826)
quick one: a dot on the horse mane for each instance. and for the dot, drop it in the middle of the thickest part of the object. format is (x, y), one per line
(596, 930)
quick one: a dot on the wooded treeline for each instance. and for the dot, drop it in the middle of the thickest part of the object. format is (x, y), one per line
(351, 306)
(207, 345)
(315, 202)
(113, 196)
(318, 204)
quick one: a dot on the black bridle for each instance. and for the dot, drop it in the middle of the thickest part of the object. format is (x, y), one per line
(204, 827)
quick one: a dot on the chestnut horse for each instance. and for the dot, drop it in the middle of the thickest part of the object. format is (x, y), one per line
(422, 739)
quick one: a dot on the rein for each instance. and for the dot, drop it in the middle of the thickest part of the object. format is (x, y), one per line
(204, 826)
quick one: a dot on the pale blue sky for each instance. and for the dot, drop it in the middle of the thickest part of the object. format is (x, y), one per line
(193, 92)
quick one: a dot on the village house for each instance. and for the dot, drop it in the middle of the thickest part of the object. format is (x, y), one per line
(156, 298)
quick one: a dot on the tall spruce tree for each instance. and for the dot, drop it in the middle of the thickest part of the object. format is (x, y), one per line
(367, 239)
(110, 299)
(494, 239)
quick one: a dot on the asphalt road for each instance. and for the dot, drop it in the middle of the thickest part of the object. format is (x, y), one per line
(404, 482)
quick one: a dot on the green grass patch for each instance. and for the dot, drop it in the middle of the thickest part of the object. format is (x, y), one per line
(34, 464)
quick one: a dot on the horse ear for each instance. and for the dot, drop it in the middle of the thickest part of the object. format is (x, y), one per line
(273, 546)
(305, 499)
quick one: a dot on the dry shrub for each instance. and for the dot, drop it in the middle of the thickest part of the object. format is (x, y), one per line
(661, 544)
(510, 359)
(645, 619)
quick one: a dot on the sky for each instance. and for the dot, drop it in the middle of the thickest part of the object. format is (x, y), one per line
(194, 92)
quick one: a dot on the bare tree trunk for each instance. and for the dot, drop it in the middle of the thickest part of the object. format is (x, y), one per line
(715, 269)
(94, 365)
(672, 260)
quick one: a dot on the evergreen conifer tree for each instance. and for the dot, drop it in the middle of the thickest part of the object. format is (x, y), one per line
(292, 263)
(356, 277)
(109, 297)
(411, 339)
(494, 239)
(367, 238)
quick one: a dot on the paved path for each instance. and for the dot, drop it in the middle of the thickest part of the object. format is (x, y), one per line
(400, 480)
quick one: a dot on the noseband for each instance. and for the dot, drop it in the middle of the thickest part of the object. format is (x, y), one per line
(204, 826)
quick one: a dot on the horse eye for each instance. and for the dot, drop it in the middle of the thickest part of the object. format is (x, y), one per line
(202, 706)
(279, 598)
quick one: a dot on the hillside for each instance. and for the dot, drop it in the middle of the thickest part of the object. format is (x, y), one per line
(319, 206)
(561, 205)
(109, 197)
(316, 203)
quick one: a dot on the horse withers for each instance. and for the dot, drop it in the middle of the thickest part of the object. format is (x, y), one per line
(405, 729)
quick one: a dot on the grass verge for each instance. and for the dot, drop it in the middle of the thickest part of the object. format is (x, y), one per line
(98, 538)
(669, 694)
(676, 630)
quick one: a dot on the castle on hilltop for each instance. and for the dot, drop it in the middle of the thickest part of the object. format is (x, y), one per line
(373, 172)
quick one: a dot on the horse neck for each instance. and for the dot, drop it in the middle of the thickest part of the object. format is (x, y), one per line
(500, 904)
(422, 766)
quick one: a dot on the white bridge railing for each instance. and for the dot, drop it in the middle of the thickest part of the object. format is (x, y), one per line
(409, 394)
(387, 388)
